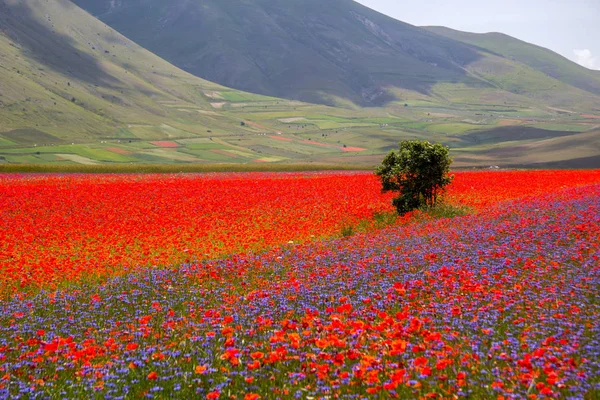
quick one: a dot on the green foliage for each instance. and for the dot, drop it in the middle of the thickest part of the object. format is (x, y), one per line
(444, 210)
(347, 231)
(384, 219)
(440, 211)
(418, 171)
(380, 220)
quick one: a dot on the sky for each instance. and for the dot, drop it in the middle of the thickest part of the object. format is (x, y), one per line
(568, 27)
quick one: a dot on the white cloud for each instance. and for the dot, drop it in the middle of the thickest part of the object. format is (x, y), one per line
(584, 57)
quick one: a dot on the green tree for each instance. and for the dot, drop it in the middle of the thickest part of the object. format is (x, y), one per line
(419, 171)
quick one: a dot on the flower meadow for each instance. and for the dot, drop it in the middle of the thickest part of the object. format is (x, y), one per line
(502, 303)
(64, 228)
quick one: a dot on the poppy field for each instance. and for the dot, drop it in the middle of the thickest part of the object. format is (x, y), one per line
(239, 286)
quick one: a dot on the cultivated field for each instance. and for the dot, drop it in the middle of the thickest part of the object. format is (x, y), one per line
(298, 285)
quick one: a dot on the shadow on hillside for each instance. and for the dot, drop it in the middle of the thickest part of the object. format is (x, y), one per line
(511, 133)
(310, 50)
(52, 49)
(592, 162)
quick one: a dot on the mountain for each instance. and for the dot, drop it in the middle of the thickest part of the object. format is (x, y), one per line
(298, 49)
(336, 51)
(536, 57)
(67, 77)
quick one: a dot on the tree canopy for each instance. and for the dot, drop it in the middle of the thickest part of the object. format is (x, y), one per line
(419, 171)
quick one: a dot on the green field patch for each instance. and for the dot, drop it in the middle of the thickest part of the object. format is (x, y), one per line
(205, 146)
(51, 158)
(233, 96)
(187, 142)
(171, 154)
(172, 131)
(98, 154)
(6, 142)
(237, 97)
(147, 158)
(48, 158)
(330, 124)
(355, 120)
(102, 155)
(272, 115)
(22, 159)
(30, 136)
(207, 155)
(309, 149)
(30, 150)
(88, 152)
(389, 121)
(237, 153)
(562, 127)
(417, 125)
(487, 147)
(133, 145)
(530, 113)
(153, 133)
(298, 146)
(394, 136)
(268, 151)
(335, 118)
(454, 129)
(508, 134)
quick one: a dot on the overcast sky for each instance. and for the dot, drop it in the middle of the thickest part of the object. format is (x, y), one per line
(569, 27)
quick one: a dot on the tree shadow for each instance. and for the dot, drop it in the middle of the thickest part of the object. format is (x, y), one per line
(40, 41)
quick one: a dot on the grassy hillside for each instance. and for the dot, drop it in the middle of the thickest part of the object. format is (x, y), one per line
(300, 49)
(73, 91)
(339, 51)
(71, 77)
(536, 57)
(518, 147)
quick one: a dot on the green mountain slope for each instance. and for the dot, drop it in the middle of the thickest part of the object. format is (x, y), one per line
(339, 51)
(73, 90)
(299, 49)
(66, 76)
(536, 57)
